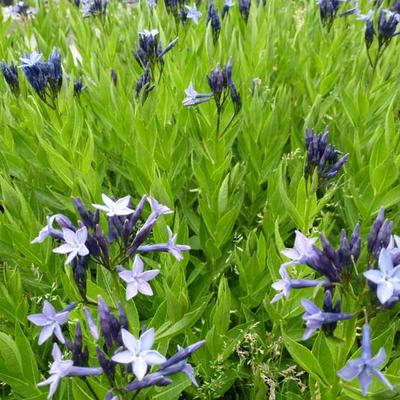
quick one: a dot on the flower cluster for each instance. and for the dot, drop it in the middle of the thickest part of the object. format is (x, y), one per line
(125, 239)
(149, 50)
(114, 344)
(379, 291)
(10, 74)
(323, 157)
(94, 8)
(149, 53)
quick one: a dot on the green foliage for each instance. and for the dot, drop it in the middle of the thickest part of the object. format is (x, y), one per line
(237, 200)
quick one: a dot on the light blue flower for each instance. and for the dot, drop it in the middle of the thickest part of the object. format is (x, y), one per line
(364, 367)
(170, 247)
(315, 318)
(138, 352)
(137, 279)
(387, 278)
(50, 321)
(285, 284)
(193, 13)
(74, 244)
(61, 368)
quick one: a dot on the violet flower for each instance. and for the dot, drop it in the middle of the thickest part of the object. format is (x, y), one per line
(285, 284)
(302, 250)
(315, 318)
(364, 367)
(171, 246)
(61, 368)
(136, 279)
(119, 207)
(74, 244)
(50, 321)
(193, 13)
(387, 278)
(138, 352)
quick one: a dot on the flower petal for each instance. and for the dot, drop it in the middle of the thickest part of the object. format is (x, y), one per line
(385, 291)
(130, 342)
(63, 249)
(147, 340)
(139, 368)
(124, 357)
(385, 261)
(39, 319)
(153, 357)
(374, 275)
(46, 333)
(145, 288)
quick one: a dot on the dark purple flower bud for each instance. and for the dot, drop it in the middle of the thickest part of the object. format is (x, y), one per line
(373, 234)
(105, 322)
(328, 10)
(244, 7)
(93, 247)
(55, 75)
(123, 320)
(83, 213)
(355, 243)
(36, 72)
(142, 234)
(79, 265)
(328, 307)
(79, 86)
(235, 96)
(183, 14)
(113, 232)
(387, 24)
(183, 354)
(320, 262)
(344, 252)
(396, 7)
(134, 218)
(330, 252)
(213, 17)
(369, 32)
(10, 74)
(168, 48)
(154, 379)
(103, 243)
(322, 156)
(94, 7)
(107, 365)
(115, 330)
(144, 82)
(114, 77)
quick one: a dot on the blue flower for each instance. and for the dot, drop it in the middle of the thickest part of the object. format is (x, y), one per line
(61, 368)
(193, 13)
(387, 278)
(364, 367)
(193, 97)
(50, 321)
(138, 352)
(137, 279)
(285, 284)
(74, 244)
(315, 318)
(171, 246)
(303, 249)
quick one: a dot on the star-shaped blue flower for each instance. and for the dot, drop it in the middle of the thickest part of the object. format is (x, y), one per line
(51, 322)
(364, 367)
